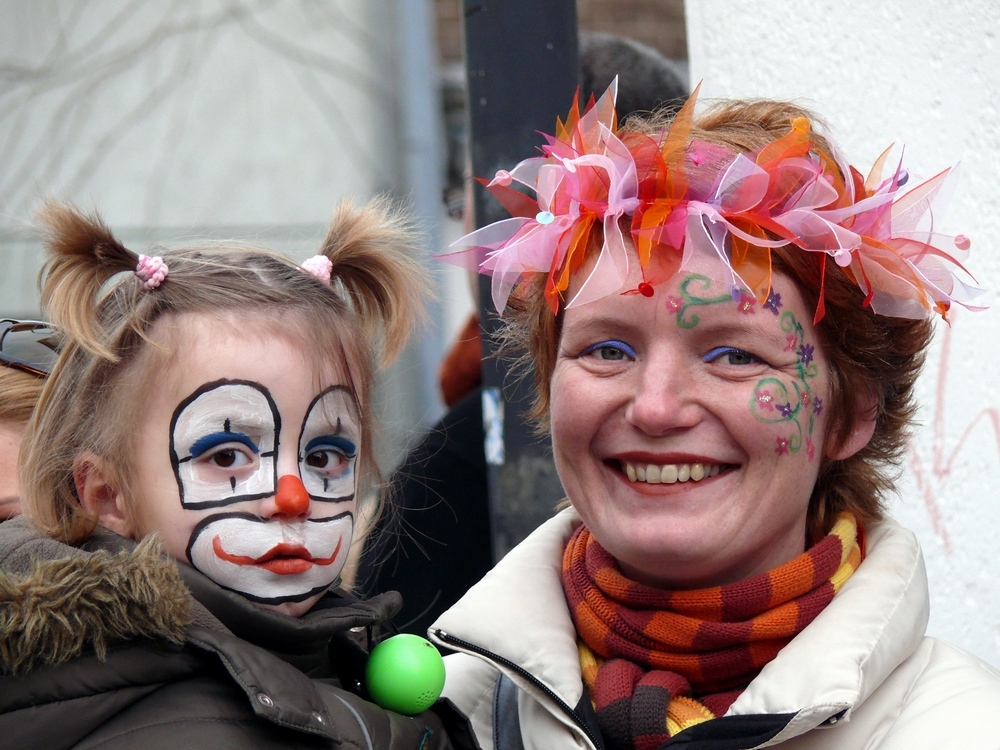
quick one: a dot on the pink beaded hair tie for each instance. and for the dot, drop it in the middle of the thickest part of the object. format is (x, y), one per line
(151, 271)
(319, 266)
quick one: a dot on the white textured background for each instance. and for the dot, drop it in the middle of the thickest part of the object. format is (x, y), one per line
(924, 74)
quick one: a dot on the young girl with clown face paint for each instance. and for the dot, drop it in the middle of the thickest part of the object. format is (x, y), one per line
(191, 481)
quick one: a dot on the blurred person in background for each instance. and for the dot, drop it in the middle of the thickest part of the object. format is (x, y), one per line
(28, 350)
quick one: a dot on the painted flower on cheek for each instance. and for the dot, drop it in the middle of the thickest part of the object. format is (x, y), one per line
(810, 448)
(786, 410)
(792, 341)
(746, 303)
(805, 398)
(773, 302)
(782, 447)
(817, 405)
(674, 304)
(764, 399)
(805, 353)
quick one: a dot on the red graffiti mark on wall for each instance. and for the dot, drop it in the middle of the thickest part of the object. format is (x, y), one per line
(943, 458)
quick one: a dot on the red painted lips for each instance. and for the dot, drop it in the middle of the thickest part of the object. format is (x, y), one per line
(283, 559)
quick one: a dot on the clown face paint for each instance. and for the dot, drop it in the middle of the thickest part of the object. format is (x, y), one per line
(270, 562)
(247, 463)
(328, 447)
(226, 433)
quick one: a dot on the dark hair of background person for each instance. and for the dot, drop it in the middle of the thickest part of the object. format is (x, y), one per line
(647, 81)
(436, 543)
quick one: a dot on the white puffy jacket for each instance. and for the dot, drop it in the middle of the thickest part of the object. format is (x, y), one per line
(861, 675)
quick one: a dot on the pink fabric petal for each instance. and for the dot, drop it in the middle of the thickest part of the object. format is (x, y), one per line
(814, 233)
(915, 209)
(743, 186)
(493, 234)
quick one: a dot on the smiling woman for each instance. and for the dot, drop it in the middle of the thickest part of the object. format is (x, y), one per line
(191, 478)
(673, 464)
(725, 321)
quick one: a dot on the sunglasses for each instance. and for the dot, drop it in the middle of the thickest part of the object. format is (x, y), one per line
(29, 345)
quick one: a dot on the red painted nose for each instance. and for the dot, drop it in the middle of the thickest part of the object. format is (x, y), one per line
(291, 498)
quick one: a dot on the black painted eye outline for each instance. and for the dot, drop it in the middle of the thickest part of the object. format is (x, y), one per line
(338, 442)
(176, 461)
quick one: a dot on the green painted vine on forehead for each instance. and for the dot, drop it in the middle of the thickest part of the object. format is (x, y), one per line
(684, 304)
(774, 402)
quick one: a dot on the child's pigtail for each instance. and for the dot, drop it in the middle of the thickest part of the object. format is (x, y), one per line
(374, 255)
(82, 256)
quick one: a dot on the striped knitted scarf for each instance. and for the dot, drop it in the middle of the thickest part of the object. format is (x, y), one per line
(657, 661)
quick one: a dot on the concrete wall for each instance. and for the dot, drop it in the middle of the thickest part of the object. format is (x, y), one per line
(925, 74)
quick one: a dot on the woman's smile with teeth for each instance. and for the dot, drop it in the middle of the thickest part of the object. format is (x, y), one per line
(669, 473)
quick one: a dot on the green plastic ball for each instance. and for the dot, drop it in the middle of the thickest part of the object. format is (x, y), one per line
(405, 674)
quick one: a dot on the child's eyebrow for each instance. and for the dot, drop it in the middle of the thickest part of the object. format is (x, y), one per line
(245, 422)
(207, 442)
(224, 419)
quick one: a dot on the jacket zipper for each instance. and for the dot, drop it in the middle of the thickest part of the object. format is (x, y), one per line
(566, 708)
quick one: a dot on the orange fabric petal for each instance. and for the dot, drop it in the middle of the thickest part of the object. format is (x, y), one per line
(795, 143)
(752, 263)
(875, 173)
(559, 276)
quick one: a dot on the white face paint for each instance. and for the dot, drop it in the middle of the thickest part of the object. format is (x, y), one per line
(224, 449)
(247, 470)
(271, 562)
(328, 447)
(223, 443)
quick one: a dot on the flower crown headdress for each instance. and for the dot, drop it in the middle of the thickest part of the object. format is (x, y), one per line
(688, 197)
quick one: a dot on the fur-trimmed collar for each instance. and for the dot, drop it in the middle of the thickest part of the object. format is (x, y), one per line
(57, 600)
(63, 605)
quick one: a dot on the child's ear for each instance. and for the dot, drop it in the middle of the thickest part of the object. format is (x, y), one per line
(97, 487)
(860, 435)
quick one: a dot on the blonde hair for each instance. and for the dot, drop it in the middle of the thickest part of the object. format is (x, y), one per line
(362, 319)
(19, 392)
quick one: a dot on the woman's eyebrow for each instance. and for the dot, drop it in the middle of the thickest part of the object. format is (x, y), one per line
(767, 332)
(601, 322)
